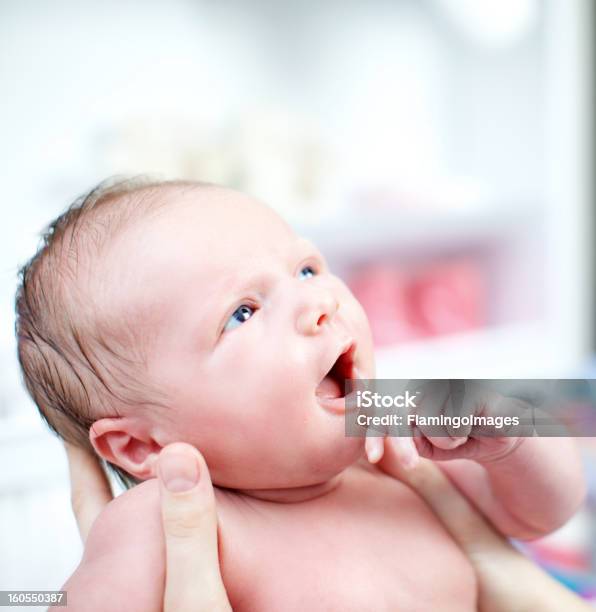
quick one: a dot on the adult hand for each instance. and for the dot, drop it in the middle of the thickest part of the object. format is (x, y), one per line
(193, 579)
(90, 490)
(508, 581)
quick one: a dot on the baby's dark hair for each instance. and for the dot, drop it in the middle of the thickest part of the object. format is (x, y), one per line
(78, 361)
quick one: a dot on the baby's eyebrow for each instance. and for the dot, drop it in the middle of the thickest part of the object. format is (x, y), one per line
(303, 247)
(291, 253)
(229, 291)
(304, 244)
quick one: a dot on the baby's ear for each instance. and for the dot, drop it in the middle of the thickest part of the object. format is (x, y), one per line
(118, 441)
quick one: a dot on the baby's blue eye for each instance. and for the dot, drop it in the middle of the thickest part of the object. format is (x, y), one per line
(306, 272)
(240, 315)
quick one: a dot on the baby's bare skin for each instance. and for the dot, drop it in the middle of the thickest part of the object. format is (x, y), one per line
(369, 544)
(247, 325)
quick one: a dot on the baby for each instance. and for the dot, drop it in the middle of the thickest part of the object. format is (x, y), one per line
(178, 311)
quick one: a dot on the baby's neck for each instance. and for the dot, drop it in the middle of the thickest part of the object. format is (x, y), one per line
(296, 494)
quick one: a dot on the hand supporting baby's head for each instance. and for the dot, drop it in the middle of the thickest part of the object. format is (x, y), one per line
(158, 312)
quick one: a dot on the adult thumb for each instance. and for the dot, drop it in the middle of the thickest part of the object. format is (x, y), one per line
(193, 577)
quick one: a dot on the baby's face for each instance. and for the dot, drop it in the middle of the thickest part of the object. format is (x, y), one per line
(252, 321)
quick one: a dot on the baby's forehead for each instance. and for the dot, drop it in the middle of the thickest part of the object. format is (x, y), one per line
(196, 237)
(216, 219)
(178, 270)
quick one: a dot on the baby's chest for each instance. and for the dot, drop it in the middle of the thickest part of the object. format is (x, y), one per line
(344, 558)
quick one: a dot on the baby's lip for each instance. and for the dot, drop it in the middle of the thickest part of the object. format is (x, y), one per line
(344, 367)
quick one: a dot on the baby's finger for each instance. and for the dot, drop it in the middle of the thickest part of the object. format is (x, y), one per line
(90, 490)
(458, 405)
(374, 447)
(193, 578)
(445, 442)
(431, 405)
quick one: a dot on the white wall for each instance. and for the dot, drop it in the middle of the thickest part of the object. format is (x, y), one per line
(390, 92)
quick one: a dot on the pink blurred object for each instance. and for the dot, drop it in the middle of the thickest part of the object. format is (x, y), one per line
(381, 290)
(567, 558)
(433, 299)
(448, 297)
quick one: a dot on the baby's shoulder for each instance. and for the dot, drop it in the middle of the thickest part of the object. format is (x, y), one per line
(130, 521)
(123, 566)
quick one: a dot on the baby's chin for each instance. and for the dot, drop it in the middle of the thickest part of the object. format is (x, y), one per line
(316, 465)
(330, 460)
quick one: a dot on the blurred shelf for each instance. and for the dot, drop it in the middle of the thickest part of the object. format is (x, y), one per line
(21, 425)
(352, 234)
(30, 455)
(521, 350)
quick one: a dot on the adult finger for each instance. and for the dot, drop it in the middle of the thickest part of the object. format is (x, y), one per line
(90, 490)
(468, 528)
(507, 580)
(193, 578)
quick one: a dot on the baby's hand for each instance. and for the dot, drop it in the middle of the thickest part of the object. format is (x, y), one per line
(482, 442)
(499, 430)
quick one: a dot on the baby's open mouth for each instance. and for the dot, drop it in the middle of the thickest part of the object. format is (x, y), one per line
(333, 385)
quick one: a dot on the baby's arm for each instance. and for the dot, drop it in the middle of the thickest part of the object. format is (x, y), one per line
(526, 493)
(123, 567)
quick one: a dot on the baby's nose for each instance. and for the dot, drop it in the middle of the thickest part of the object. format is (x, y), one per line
(315, 311)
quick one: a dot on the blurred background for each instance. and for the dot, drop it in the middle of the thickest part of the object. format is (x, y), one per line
(439, 152)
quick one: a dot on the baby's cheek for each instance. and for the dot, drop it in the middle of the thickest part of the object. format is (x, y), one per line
(350, 303)
(268, 377)
(363, 331)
